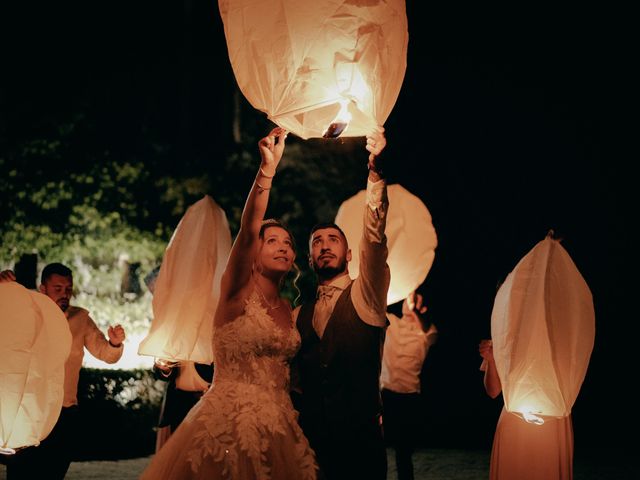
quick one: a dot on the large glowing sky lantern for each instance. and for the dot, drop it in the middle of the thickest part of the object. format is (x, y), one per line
(187, 289)
(318, 68)
(35, 342)
(543, 330)
(411, 238)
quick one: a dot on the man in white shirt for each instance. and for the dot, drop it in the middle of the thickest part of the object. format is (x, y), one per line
(407, 342)
(51, 459)
(338, 363)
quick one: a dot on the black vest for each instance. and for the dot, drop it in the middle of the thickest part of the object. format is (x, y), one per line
(339, 374)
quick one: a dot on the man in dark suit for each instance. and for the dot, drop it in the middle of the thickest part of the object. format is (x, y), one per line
(338, 365)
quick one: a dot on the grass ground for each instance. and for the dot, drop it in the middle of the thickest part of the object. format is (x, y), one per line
(429, 464)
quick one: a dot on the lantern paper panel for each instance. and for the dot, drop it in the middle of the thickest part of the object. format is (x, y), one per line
(543, 331)
(34, 347)
(411, 238)
(306, 62)
(187, 289)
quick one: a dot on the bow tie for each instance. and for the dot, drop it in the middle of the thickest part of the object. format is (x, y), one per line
(325, 292)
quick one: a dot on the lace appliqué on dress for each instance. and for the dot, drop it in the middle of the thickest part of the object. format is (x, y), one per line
(246, 422)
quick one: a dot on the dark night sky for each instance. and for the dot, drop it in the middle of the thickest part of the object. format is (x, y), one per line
(509, 123)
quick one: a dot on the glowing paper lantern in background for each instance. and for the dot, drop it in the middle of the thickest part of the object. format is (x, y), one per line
(411, 238)
(188, 286)
(304, 62)
(34, 347)
(543, 330)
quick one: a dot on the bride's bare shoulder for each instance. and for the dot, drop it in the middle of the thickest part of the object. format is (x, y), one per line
(229, 309)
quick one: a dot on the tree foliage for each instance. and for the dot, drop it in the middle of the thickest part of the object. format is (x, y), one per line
(72, 194)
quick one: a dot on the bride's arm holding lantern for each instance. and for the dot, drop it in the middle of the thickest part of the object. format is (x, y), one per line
(236, 276)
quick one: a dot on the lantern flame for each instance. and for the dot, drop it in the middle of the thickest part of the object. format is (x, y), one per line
(162, 362)
(532, 418)
(340, 123)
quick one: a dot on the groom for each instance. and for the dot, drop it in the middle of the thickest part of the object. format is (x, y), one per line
(338, 363)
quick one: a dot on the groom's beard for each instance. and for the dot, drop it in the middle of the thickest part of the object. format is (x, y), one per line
(327, 273)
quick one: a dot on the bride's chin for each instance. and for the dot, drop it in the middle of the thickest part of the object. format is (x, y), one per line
(283, 269)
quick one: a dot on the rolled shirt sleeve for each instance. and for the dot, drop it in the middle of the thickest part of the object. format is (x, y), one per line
(85, 334)
(370, 288)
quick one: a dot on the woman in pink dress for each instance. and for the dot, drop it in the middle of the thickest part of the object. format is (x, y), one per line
(523, 450)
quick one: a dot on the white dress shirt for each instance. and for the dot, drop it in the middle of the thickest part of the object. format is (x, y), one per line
(406, 346)
(84, 333)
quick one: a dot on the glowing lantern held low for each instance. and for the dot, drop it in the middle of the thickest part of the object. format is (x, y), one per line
(318, 68)
(34, 346)
(187, 288)
(543, 331)
(411, 238)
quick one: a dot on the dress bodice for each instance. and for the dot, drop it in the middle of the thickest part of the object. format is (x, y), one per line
(254, 349)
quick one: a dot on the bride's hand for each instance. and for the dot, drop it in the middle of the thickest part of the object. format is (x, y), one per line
(271, 149)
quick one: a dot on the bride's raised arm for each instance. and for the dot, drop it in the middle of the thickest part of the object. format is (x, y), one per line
(245, 247)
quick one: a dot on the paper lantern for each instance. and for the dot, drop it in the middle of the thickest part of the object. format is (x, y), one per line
(188, 286)
(411, 238)
(543, 330)
(34, 347)
(315, 66)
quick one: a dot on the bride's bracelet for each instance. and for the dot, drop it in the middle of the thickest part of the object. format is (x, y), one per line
(261, 188)
(263, 173)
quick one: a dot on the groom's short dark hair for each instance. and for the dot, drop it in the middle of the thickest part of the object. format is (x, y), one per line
(320, 226)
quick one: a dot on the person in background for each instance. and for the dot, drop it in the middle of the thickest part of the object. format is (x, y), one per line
(522, 450)
(338, 365)
(51, 459)
(185, 381)
(26, 270)
(407, 342)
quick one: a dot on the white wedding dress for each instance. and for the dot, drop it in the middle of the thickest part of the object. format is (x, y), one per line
(245, 426)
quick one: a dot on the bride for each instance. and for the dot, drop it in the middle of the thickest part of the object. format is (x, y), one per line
(245, 426)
